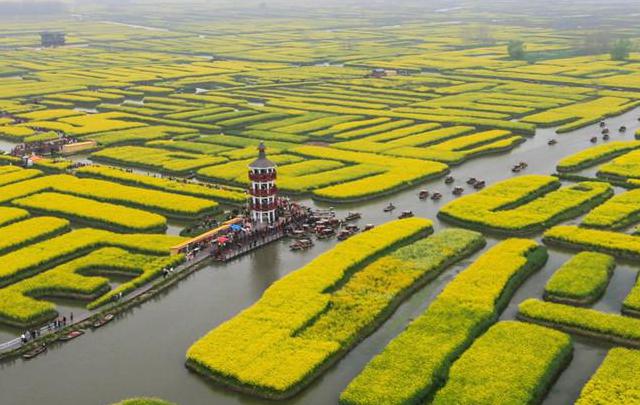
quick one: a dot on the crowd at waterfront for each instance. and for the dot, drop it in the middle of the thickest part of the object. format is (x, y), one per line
(56, 324)
(245, 235)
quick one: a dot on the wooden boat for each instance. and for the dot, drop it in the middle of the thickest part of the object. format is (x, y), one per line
(605, 131)
(326, 233)
(605, 137)
(593, 139)
(436, 196)
(35, 352)
(352, 216)
(368, 227)
(71, 335)
(479, 185)
(352, 228)
(552, 142)
(449, 180)
(622, 129)
(471, 181)
(389, 208)
(602, 124)
(458, 191)
(519, 167)
(103, 321)
(406, 214)
(301, 244)
(321, 225)
(423, 194)
(344, 234)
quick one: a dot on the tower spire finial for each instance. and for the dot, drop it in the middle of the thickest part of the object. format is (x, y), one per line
(262, 150)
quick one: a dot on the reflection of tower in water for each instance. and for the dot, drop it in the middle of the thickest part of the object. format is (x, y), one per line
(265, 265)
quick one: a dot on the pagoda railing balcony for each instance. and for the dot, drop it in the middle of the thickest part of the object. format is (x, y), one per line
(264, 207)
(262, 176)
(263, 192)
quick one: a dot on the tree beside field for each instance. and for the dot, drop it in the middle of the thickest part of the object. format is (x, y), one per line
(621, 49)
(516, 49)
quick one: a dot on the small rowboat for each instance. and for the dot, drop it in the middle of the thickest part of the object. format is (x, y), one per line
(405, 214)
(103, 321)
(301, 244)
(423, 195)
(325, 233)
(449, 180)
(71, 335)
(352, 228)
(519, 167)
(344, 234)
(368, 227)
(389, 208)
(352, 216)
(33, 353)
(552, 142)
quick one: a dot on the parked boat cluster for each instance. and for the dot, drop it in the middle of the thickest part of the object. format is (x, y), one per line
(324, 224)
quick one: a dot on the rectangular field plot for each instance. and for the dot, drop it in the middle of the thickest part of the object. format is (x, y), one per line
(90, 212)
(156, 159)
(615, 379)
(526, 358)
(525, 204)
(163, 202)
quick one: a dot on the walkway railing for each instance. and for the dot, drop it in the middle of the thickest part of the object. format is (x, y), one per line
(245, 248)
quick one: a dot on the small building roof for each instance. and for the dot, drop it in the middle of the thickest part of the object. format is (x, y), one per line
(57, 34)
(262, 162)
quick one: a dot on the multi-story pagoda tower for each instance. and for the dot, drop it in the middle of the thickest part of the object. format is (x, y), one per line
(263, 190)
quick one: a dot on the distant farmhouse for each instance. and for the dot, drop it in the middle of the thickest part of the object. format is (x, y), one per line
(379, 73)
(49, 39)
